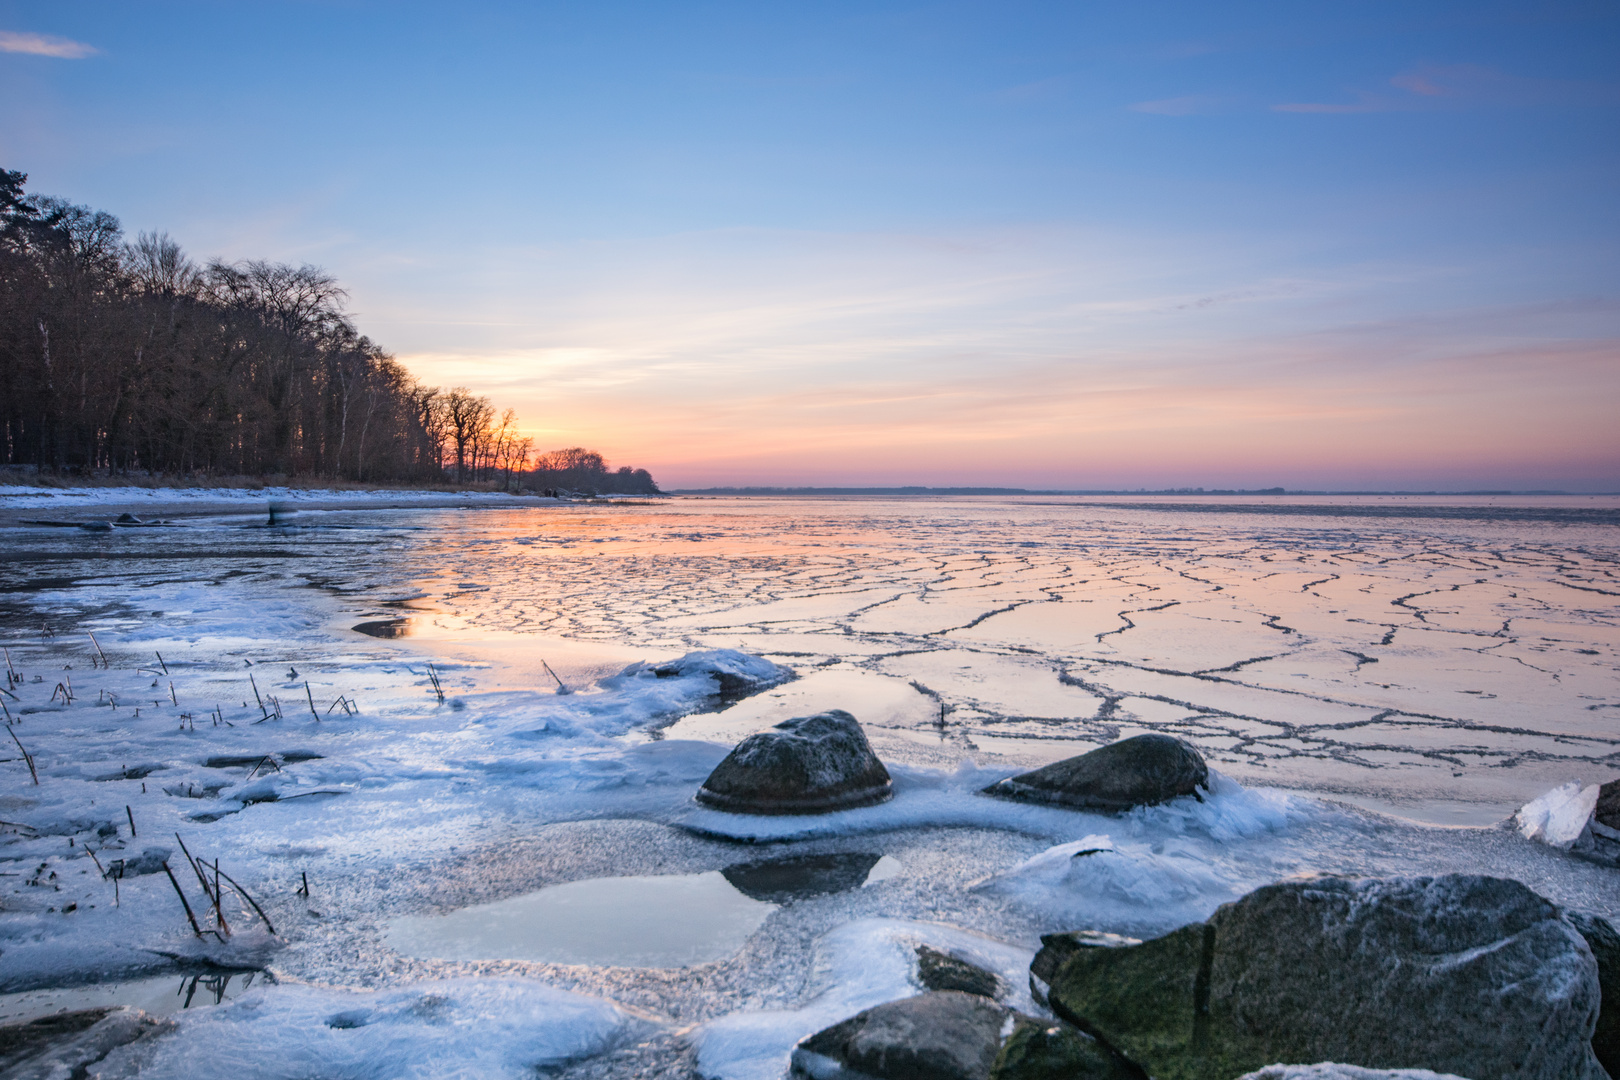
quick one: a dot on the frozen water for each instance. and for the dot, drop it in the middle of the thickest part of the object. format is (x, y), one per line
(157, 996)
(478, 1029)
(1443, 661)
(672, 920)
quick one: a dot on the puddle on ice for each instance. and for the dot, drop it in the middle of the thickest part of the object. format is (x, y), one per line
(159, 996)
(673, 920)
(670, 920)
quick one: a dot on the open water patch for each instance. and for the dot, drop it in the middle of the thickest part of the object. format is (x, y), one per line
(662, 921)
(158, 996)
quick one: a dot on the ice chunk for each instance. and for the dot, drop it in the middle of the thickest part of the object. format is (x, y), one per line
(1559, 817)
(472, 1028)
(1099, 883)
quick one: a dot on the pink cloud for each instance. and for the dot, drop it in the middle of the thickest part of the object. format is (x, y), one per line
(1418, 84)
(1367, 104)
(44, 45)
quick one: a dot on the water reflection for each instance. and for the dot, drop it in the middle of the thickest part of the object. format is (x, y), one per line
(158, 996)
(800, 877)
(672, 920)
(385, 628)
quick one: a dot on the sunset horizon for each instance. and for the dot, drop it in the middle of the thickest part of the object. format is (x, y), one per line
(1056, 248)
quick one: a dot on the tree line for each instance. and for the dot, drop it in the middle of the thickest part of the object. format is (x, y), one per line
(128, 357)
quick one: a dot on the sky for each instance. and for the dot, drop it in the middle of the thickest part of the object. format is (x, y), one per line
(1069, 244)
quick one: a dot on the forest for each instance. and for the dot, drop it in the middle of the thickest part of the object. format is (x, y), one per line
(127, 358)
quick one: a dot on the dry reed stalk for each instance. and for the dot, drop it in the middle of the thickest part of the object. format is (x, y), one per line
(103, 655)
(195, 869)
(219, 911)
(232, 883)
(27, 757)
(183, 901)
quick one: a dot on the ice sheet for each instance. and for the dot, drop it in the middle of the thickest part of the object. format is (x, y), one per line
(477, 1029)
(1416, 665)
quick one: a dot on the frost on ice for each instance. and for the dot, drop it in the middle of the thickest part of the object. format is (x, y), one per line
(477, 1029)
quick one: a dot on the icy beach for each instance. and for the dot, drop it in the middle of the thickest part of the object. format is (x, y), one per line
(448, 745)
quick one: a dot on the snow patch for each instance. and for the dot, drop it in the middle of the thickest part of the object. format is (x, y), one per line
(465, 1028)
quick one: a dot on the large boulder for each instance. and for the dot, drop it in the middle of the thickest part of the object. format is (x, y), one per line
(1470, 975)
(1144, 770)
(949, 1035)
(1329, 1070)
(807, 765)
(1604, 942)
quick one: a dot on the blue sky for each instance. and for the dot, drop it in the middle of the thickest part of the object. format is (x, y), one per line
(1070, 244)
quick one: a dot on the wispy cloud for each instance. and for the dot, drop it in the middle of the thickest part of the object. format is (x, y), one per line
(1457, 86)
(1189, 105)
(1367, 104)
(61, 48)
(1420, 83)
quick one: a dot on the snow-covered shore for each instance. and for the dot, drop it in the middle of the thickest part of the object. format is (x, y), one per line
(400, 805)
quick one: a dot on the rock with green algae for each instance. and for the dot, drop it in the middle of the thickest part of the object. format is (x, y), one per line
(1329, 1070)
(1041, 1050)
(950, 1035)
(1469, 975)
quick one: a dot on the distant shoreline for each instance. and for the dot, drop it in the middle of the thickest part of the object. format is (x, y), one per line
(1105, 492)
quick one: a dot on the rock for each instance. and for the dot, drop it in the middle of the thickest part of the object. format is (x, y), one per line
(807, 765)
(1056, 948)
(1144, 770)
(1470, 975)
(941, 971)
(1040, 1050)
(735, 674)
(69, 1044)
(940, 1036)
(949, 1035)
(1329, 1070)
(1604, 942)
(1607, 811)
(149, 861)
